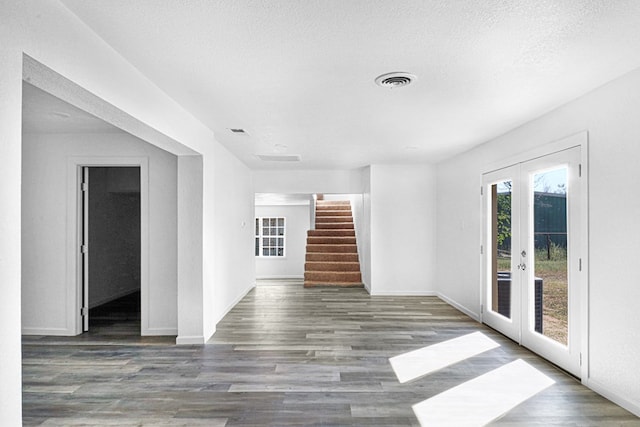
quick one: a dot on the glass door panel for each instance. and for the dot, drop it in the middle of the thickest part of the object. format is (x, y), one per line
(501, 248)
(550, 267)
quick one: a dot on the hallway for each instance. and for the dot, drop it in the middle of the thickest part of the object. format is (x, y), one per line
(287, 356)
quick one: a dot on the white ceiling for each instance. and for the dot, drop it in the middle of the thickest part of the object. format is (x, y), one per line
(44, 113)
(299, 75)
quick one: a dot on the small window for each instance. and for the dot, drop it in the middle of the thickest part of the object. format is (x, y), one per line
(270, 237)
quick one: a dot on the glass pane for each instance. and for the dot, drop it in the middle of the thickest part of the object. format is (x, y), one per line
(272, 252)
(280, 222)
(265, 251)
(280, 231)
(265, 231)
(272, 242)
(265, 222)
(280, 241)
(280, 252)
(257, 227)
(273, 222)
(501, 245)
(550, 293)
(257, 246)
(265, 242)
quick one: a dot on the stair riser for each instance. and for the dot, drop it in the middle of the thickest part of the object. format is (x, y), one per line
(331, 233)
(333, 249)
(344, 212)
(331, 240)
(324, 203)
(329, 277)
(334, 226)
(333, 207)
(319, 256)
(332, 266)
(310, 284)
(320, 219)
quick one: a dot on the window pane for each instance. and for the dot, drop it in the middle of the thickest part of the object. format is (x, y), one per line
(280, 241)
(257, 246)
(273, 222)
(272, 251)
(280, 222)
(265, 242)
(280, 252)
(280, 231)
(501, 244)
(265, 252)
(265, 231)
(257, 226)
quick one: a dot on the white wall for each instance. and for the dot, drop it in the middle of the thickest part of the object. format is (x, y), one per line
(10, 254)
(610, 115)
(233, 233)
(47, 293)
(297, 225)
(403, 230)
(309, 181)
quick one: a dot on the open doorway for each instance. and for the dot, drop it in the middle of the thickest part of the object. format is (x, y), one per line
(111, 249)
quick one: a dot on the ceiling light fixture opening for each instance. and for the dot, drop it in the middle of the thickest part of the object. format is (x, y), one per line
(396, 79)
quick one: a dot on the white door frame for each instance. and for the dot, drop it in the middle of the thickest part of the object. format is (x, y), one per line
(74, 234)
(577, 140)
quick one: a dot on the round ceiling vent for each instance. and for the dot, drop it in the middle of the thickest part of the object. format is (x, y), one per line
(397, 79)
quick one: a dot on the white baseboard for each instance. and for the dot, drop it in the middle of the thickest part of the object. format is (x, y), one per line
(294, 277)
(629, 405)
(190, 340)
(475, 316)
(404, 293)
(60, 332)
(160, 331)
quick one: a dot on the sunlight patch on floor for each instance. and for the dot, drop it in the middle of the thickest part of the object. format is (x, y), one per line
(421, 362)
(483, 399)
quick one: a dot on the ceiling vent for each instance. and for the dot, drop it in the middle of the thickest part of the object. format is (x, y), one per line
(279, 157)
(393, 80)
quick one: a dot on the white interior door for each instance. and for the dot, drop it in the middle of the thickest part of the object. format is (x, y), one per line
(84, 248)
(532, 279)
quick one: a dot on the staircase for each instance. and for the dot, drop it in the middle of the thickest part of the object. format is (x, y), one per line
(332, 253)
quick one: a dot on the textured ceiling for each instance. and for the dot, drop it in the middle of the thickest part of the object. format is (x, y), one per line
(44, 113)
(299, 75)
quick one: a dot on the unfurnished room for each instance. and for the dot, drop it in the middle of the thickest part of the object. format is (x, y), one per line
(337, 213)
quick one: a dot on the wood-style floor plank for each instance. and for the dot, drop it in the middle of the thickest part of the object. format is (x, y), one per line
(284, 356)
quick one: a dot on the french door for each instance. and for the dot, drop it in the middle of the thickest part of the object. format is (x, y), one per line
(532, 262)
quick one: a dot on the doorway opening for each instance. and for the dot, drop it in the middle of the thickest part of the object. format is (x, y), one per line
(111, 250)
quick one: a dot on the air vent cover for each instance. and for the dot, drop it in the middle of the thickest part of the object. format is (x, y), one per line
(397, 79)
(279, 157)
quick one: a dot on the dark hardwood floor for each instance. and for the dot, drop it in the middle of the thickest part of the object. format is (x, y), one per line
(284, 356)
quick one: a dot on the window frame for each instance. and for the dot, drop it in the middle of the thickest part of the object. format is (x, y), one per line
(263, 231)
